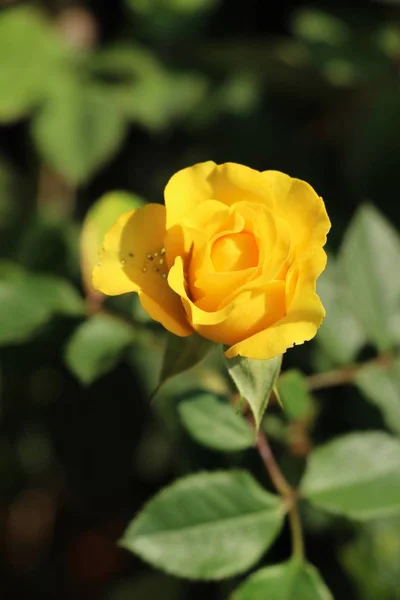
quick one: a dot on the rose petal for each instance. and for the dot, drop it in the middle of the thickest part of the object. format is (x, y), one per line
(298, 203)
(304, 316)
(252, 311)
(228, 183)
(186, 189)
(196, 315)
(124, 267)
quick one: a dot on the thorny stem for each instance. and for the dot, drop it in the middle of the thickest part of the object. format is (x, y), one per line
(284, 489)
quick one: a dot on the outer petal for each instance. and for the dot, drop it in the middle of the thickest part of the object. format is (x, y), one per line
(298, 203)
(232, 182)
(228, 183)
(167, 314)
(251, 312)
(305, 315)
(186, 189)
(124, 267)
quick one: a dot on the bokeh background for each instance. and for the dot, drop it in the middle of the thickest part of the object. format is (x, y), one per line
(102, 96)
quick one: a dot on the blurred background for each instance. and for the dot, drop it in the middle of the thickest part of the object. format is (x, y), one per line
(100, 96)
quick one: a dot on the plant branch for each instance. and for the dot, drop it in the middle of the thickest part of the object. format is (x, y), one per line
(284, 489)
(346, 374)
(276, 475)
(296, 531)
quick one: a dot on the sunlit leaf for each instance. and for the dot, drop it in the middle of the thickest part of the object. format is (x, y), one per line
(292, 580)
(29, 52)
(214, 423)
(254, 379)
(357, 475)
(369, 256)
(146, 91)
(341, 334)
(206, 526)
(381, 385)
(78, 128)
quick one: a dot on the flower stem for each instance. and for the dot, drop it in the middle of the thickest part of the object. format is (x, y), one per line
(296, 531)
(285, 490)
(277, 477)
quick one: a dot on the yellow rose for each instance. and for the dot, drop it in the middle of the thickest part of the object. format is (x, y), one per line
(233, 255)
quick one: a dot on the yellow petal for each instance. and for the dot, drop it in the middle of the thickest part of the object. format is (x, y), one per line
(196, 315)
(298, 203)
(228, 183)
(131, 261)
(215, 288)
(251, 311)
(215, 220)
(186, 189)
(232, 182)
(209, 289)
(304, 316)
(171, 316)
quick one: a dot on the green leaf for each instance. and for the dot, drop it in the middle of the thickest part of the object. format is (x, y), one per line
(254, 379)
(291, 580)
(370, 254)
(181, 354)
(381, 386)
(96, 347)
(169, 20)
(29, 51)
(295, 396)
(146, 90)
(341, 335)
(387, 38)
(319, 26)
(60, 296)
(152, 101)
(78, 128)
(357, 475)
(29, 301)
(101, 216)
(372, 559)
(214, 423)
(206, 526)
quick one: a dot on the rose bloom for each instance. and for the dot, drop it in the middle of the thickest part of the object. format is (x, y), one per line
(234, 255)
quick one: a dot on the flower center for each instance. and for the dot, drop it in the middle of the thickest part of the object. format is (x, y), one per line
(234, 252)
